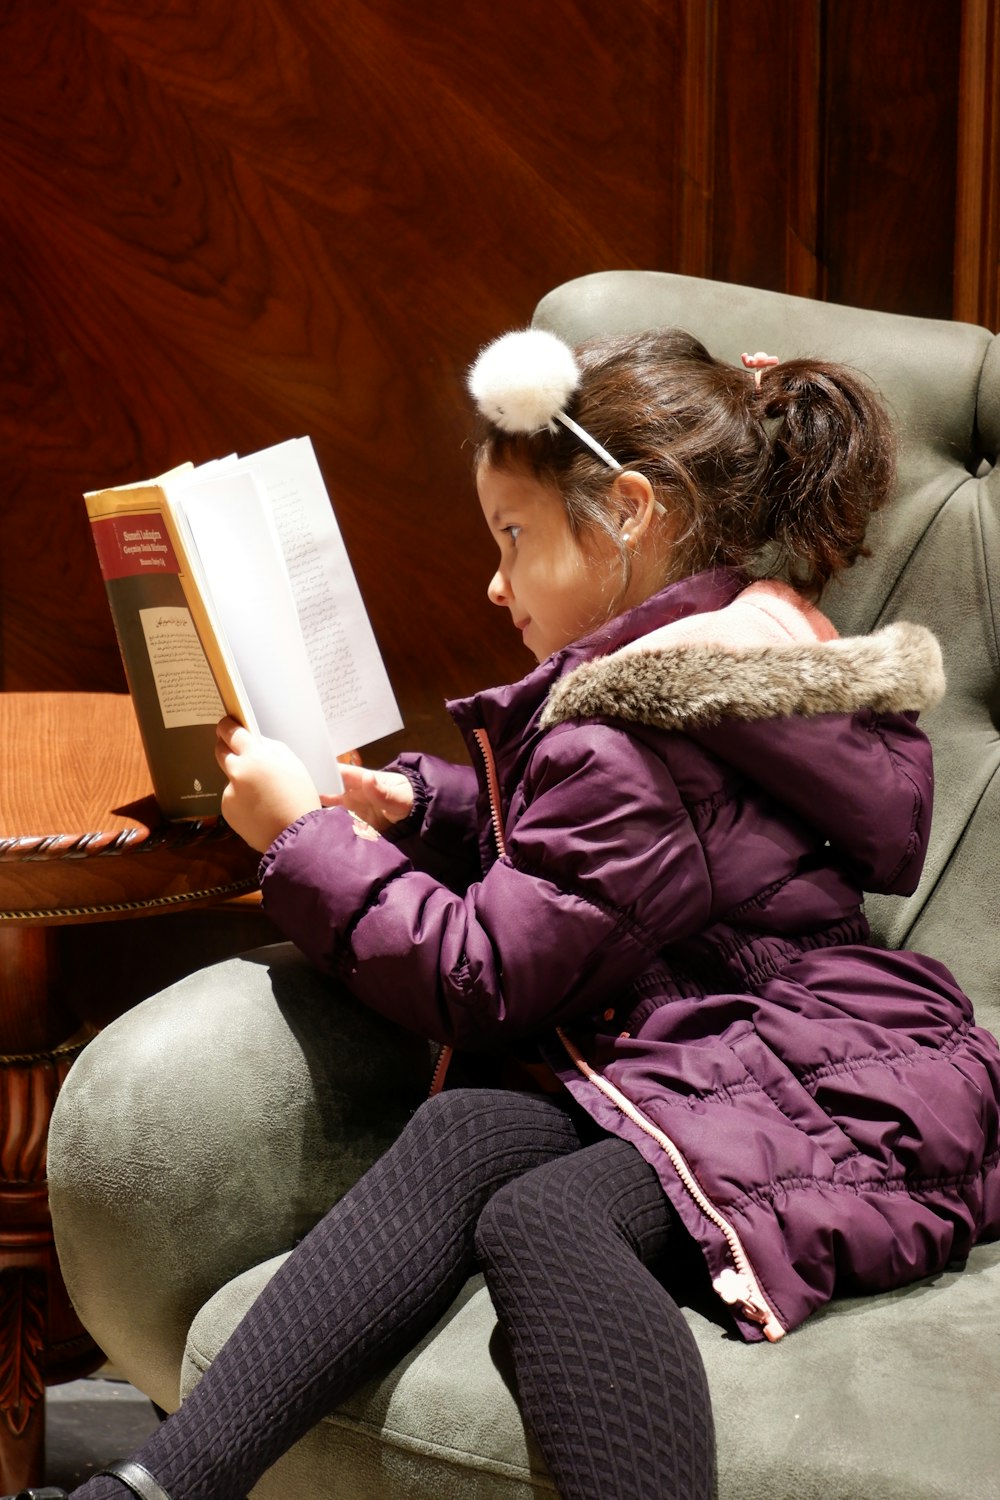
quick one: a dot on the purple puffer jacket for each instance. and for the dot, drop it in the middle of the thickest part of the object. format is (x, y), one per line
(653, 875)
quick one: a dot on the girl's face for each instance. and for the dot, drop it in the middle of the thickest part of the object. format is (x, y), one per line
(557, 586)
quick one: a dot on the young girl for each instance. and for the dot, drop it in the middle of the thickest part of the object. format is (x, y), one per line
(635, 924)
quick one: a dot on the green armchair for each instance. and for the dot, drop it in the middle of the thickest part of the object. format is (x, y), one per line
(204, 1131)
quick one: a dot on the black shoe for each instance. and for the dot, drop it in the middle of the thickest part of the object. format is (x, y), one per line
(143, 1484)
(139, 1480)
(44, 1492)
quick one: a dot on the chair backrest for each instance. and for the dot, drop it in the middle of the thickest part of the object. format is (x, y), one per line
(936, 551)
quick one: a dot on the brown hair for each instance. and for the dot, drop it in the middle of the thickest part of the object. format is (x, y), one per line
(778, 481)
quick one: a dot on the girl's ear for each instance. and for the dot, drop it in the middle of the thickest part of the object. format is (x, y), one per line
(636, 505)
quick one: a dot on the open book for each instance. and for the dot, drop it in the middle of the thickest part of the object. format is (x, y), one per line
(231, 592)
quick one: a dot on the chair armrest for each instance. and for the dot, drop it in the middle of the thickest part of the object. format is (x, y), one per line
(206, 1130)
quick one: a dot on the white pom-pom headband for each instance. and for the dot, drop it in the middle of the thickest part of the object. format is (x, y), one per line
(522, 381)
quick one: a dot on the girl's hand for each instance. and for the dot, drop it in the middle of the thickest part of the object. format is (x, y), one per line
(268, 789)
(379, 797)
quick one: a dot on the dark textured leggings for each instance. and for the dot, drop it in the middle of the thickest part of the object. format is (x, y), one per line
(608, 1375)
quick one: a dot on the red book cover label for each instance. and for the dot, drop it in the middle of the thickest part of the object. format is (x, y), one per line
(135, 545)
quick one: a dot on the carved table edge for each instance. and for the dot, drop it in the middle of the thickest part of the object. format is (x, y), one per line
(64, 1050)
(112, 908)
(91, 845)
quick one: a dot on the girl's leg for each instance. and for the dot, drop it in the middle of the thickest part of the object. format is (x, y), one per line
(609, 1375)
(359, 1291)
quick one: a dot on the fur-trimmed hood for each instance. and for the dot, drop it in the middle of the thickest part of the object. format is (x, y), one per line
(767, 687)
(692, 684)
(822, 727)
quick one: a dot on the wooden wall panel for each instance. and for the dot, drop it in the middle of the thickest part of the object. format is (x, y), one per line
(977, 219)
(227, 222)
(891, 116)
(768, 156)
(835, 149)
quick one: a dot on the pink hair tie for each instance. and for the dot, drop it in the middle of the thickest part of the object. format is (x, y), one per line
(758, 363)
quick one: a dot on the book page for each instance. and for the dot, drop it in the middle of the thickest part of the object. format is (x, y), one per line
(184, 683)
(354, 689)
(243, 570)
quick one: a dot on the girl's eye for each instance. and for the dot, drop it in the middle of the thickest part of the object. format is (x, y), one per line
(513, 532)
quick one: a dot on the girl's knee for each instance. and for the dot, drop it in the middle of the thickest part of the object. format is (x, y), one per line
(452, 1106)
(582, 1203)
(471, 1115)
(500, 1233)
(525, 1218)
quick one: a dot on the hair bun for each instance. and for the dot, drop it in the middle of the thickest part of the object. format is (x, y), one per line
(523, 380)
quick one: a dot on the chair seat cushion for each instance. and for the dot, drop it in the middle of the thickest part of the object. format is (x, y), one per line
(443, 1424)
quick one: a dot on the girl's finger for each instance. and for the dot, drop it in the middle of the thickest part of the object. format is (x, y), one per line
(352, 776)
(233, 735)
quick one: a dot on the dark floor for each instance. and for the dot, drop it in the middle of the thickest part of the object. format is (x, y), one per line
(89, 1423)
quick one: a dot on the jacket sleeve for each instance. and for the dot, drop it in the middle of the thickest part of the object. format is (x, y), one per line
(440, 834)
(602, 869)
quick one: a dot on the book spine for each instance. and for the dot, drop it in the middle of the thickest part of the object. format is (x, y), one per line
(176, 702)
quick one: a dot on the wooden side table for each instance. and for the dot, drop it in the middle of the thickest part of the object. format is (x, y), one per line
(81, 840)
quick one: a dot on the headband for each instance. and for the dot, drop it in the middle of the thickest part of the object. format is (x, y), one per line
(522, 383)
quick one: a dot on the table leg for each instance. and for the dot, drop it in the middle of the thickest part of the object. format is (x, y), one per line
(22, 1389)
(41, 1339)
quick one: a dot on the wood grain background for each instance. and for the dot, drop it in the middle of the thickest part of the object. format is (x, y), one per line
(228, 222)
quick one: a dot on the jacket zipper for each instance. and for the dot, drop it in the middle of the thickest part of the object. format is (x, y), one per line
(482, 739)
(736, 1285)
(444, 1058)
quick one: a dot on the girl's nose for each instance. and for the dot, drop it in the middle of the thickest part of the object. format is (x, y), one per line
(496, 590)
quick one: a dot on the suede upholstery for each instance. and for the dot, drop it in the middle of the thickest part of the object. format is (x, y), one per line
(201, 1132)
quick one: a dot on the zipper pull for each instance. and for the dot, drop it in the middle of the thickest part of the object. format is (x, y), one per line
(742, 1291)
